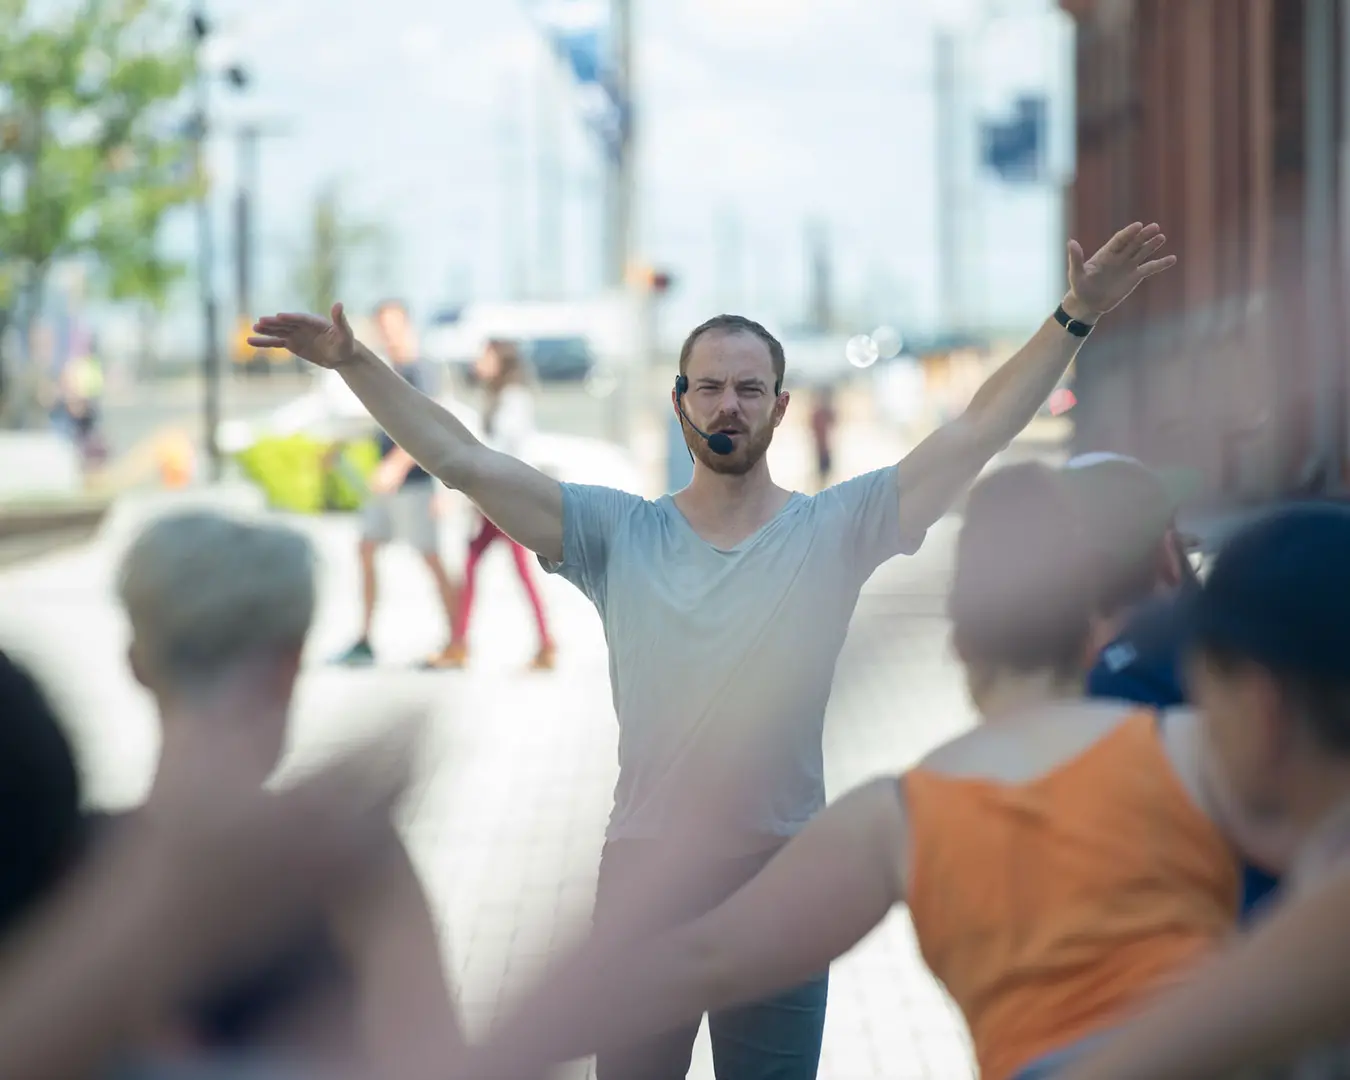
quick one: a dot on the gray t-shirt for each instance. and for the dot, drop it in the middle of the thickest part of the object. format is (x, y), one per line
(721, 661)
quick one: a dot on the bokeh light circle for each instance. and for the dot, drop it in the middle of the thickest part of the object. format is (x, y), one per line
(601, 383)
(889, 342)
(861, 351)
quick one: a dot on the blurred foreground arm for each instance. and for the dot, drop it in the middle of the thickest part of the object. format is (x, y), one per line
(1281, 991)
(816, 899)
(935, 473)
(520, 500)
(407, 1014)
(206, 871)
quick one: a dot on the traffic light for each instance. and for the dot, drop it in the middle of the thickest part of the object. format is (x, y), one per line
(656, 282)
(1014, 148)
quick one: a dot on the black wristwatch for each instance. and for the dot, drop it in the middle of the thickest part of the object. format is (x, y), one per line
(1073, 326)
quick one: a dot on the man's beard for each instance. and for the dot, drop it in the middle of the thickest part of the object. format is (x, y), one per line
(748, 448)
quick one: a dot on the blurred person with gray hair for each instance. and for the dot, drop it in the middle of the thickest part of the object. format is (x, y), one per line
(725, 607)
(211, 599)
(98, 941)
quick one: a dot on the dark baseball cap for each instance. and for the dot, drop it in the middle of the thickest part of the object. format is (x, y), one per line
(1278, 594)
(1125, 508)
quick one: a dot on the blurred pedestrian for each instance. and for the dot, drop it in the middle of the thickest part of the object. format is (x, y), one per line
(507, 425)
(1143, 573)
(725, 606)
(211, 600)
(401, 503)
(823, 421)
(1059, 860)
(81, 400)
(1271, 637)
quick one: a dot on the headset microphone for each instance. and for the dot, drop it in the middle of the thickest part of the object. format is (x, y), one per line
(718, 442)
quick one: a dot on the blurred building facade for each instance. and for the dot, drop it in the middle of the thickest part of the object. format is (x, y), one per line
(1226, 121)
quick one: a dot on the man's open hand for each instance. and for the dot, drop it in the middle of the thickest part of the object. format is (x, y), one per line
(1098, 284)
(327, 343)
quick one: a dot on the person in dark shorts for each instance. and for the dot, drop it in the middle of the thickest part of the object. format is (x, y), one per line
(1129, 513)
(401, 505)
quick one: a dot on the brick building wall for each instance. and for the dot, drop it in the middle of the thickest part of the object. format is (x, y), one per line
(1221, 119)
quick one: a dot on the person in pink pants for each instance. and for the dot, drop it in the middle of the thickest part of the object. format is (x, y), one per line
(507, 423)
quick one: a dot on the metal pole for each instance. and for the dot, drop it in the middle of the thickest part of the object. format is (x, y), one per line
(206, 262)
(951, 310)
(551, 190)
(820, 284)
(620, 161)
(515, 194)
(619, 172)
(248, 136)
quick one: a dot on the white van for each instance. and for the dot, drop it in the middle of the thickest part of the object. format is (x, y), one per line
(563, 341)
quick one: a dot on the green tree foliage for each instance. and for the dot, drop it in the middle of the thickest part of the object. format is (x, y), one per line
(92, 147)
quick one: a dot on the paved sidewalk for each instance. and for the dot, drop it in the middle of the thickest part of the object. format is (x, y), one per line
(519, 769)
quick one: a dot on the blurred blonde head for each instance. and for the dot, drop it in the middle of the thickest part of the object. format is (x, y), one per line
(206, 592)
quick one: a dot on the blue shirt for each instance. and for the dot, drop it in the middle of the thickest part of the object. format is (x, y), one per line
(721, 659)
(1143, 665)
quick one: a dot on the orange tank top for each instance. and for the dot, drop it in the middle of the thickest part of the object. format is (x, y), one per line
(1049, 908)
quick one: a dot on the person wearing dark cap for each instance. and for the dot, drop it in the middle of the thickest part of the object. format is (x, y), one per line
(1128, 513)
(1270, 646)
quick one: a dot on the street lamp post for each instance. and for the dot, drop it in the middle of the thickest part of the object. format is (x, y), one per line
(619, 196)
(206, 256)
(248, 136)
(206, 252)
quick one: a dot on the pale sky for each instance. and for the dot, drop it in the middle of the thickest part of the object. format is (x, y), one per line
(755, 116)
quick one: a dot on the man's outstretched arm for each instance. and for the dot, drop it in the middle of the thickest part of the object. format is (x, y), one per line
(935, 473)
(520, 500)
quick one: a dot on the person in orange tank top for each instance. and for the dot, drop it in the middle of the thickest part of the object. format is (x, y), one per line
(1061, 861)
(1269, 639)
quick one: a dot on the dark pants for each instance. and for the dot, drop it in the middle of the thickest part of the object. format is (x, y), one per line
(777, 1039)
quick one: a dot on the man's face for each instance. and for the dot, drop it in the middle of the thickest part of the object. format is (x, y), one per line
(731, 390)
(395, 333)
(1249, 738)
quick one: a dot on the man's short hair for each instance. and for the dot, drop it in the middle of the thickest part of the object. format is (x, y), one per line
(1276, 598)
(203, 590)
(737, 324)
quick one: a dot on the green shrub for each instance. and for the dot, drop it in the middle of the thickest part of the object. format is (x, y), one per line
(293, 472)
(345, 483)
